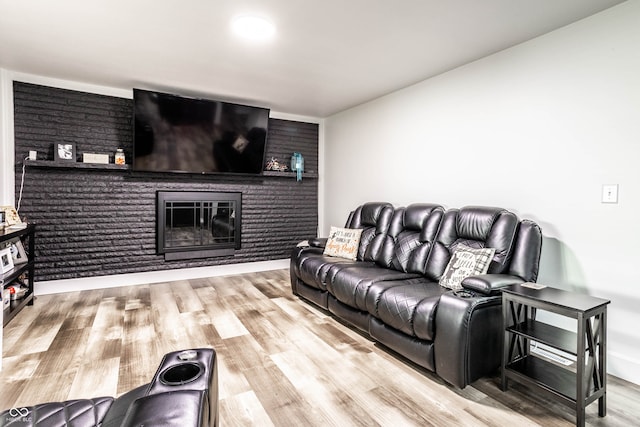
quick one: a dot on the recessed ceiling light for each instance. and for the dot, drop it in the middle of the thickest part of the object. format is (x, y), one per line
(253, 27)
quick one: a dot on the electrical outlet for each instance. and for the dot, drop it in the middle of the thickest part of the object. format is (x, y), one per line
(610, 193)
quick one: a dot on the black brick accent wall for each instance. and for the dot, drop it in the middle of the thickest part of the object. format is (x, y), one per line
(96, 222)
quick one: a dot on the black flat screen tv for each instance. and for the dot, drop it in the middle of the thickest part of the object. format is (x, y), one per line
(179, 134)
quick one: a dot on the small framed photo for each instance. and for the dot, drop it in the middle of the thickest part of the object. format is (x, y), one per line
(18, 253)
(65, 151)
(9, 215)
(6, 260)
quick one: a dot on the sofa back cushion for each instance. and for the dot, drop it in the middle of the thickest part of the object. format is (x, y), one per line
(411, 234)
(526, 253)
(476, 227)
(374, 219)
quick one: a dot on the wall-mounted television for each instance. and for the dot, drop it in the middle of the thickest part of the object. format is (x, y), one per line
(180, 134)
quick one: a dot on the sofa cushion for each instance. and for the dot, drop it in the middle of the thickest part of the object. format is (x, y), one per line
(476, 227)
(313, 268)
(466, 262)
(355, 285)
(411, 307)
(374, 219)
(343, 242)
(410, 236)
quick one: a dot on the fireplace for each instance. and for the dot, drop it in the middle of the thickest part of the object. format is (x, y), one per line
(198, 224)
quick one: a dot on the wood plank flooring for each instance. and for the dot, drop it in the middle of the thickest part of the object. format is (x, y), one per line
(281, 361)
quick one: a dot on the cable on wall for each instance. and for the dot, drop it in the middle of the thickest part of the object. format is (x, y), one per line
(21, 184)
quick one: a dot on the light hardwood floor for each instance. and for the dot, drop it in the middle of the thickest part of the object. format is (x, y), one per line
(281, 361)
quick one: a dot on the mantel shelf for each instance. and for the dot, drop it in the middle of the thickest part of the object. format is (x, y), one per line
(99, 166)
(62, 164)
(289, 174)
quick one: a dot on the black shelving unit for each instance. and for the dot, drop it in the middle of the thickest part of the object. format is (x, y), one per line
(576, 386)
(27, 237)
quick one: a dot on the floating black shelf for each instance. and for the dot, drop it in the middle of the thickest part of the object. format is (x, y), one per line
(289, 174)
(62, 164)
(110, 166)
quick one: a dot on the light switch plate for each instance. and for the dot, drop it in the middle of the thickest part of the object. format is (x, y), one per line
(610, 193)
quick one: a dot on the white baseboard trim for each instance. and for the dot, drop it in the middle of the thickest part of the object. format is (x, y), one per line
(624, 367)
(132, 279)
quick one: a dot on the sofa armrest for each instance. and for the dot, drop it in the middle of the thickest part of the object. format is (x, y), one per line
(187, 408)
(296, 254)
(490, 284)
(120, 406)
(318, 242)
(468, 339)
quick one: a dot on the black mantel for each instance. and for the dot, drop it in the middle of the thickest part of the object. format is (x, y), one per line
(101, 221)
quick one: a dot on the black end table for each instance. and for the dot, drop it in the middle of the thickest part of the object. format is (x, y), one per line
(576, 387)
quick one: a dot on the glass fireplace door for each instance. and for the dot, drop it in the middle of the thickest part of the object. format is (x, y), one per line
(198, 222)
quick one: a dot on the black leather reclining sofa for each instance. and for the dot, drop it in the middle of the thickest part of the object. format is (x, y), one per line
(391, 291)
(183, 393)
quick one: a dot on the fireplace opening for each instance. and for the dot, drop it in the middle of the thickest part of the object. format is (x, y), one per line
(198, 224)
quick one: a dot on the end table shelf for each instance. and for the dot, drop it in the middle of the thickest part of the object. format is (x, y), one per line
(575, 387)
(547, 334)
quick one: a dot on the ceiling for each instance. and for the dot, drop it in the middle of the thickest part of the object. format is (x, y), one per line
(326, 56)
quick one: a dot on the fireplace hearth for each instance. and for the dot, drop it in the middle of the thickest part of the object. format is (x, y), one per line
(198, 224)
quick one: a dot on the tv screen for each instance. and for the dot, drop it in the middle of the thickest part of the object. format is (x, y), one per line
(179, 134)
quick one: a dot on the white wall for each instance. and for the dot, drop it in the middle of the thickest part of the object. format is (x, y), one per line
(537, 129)
(6, 140)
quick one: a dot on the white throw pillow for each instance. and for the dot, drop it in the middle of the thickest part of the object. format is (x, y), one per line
(466, 262)
(343, 242)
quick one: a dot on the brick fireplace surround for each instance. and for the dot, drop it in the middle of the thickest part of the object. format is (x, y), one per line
(94, 222)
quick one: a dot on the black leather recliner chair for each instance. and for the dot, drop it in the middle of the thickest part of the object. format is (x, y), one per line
(183, 392)
(391, 291)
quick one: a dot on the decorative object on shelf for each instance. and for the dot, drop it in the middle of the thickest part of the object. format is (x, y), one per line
(297, 165)
(275, 165)
(18, 253)
(6, 298)
(102, 159)
(119, 157)
(64, 151)
(11, 216)
(17, 292)
(6, 260)
(2, 223)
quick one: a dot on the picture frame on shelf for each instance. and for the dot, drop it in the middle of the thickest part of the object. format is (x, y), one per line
(11, 216)
(64, 151)
(18, 253)
(6, 260)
